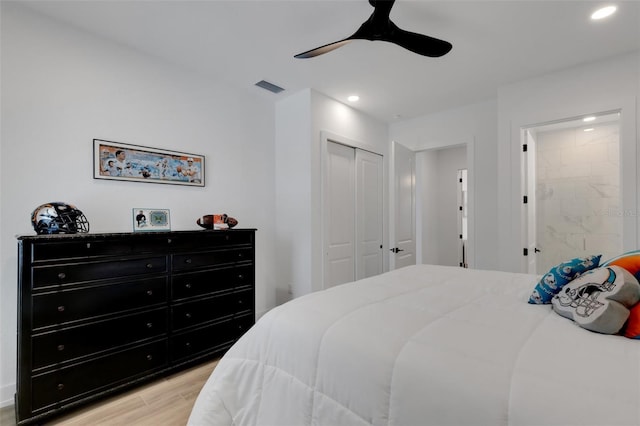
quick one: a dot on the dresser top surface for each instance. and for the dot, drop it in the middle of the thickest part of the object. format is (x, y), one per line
(85, 236)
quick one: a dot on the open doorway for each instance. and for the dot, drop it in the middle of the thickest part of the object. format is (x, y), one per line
(463, 216)
(439, 200)
(572, 191)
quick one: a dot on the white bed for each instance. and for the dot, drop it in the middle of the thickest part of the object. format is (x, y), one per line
(423, 345)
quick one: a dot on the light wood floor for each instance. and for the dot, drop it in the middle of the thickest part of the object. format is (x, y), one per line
(167, 401)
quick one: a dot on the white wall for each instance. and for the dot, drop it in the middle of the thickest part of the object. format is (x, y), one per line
(303, 121)
(475, 127)
(62, 88)
(598, 87)
(293, 194)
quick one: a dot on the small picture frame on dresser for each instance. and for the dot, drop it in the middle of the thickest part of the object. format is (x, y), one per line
(149, 220)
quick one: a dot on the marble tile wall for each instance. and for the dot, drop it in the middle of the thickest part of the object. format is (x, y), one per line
(578, 194)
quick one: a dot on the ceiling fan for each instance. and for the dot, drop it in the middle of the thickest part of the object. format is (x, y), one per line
(380, 27)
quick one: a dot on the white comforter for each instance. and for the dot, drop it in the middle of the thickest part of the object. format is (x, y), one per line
(423, 345)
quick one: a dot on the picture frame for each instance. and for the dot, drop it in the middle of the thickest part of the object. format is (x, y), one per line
(149, 220)
(136, 163)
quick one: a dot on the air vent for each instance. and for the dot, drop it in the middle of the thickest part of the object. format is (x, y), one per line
(269, 86)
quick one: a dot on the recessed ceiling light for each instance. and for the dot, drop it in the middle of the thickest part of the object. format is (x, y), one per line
(588, 119)
(353, 98)
(590, 129)
(603, 12)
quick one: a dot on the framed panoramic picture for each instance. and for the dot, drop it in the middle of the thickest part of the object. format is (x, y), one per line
(151, 220)
(120, 161)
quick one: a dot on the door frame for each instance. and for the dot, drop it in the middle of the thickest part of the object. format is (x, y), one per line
(514, 115)
(628, 198)
(325, 138)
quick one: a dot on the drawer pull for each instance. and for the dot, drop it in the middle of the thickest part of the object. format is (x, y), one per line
(62, 276)
(61, 308)
(149, 292)
(187, 285)
(187, 345)
(240, 302)
(149, 325)
(88, 245)
(149, 357)
(168, 240)
(61, 348)
(240, 277)
(188, 315)
(187, 261)
(240, 255)
(60, 386)
(149, 265)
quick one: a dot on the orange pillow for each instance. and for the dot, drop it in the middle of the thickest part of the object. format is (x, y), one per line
(629, 261)
(632, 330)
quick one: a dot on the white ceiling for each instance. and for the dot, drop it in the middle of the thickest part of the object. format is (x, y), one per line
(241, 42)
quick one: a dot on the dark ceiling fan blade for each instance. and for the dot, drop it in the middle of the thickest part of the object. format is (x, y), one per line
(417, 43)
(322, 49)
(380, 27)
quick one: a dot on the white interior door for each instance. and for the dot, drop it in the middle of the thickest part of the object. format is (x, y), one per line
(404, 250)
(369, 205)
(339, 210)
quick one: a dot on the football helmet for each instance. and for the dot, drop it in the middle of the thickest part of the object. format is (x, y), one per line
(59, 218)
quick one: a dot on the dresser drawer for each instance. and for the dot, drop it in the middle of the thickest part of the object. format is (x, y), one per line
(73, 304)
(210, 309)
(43, 276)
(212, 258)
(214, 337)
(60, 346)
(199, 283)
(57, 250)
(61, 385)
(211, 239)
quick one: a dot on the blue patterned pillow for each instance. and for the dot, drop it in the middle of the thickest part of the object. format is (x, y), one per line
(558, 276)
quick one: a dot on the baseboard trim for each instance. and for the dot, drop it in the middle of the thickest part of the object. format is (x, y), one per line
(7, 393)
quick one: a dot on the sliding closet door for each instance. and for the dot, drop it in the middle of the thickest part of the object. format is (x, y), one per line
(353, 222)
(339, 211)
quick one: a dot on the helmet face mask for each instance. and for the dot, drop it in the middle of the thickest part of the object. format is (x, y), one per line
(59, 218)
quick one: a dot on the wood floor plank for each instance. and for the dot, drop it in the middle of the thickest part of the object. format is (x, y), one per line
(167, 401)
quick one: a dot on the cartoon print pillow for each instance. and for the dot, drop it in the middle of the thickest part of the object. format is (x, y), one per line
(599, 300)
(558, 276)
(629, 261)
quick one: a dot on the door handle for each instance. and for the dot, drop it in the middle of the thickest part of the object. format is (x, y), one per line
(395, 249)
(536, 250)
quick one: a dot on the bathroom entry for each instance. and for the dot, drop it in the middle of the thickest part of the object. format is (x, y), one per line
(571, 195)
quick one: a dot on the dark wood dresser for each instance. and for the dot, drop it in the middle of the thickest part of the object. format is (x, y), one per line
(98, 313)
